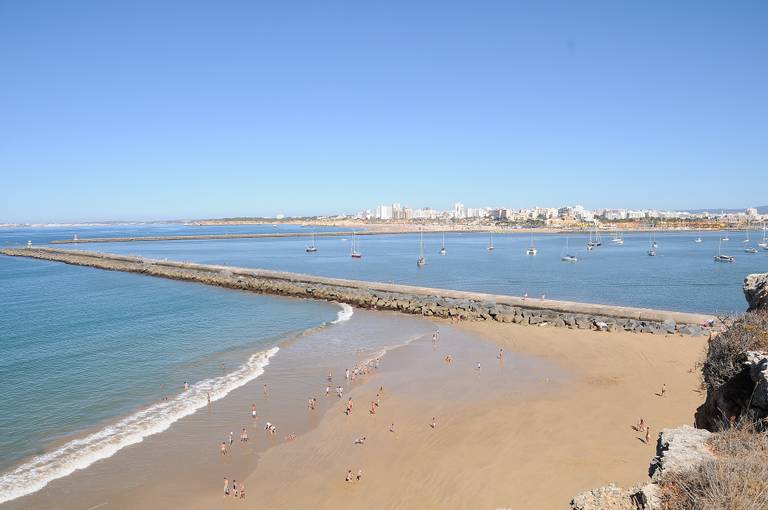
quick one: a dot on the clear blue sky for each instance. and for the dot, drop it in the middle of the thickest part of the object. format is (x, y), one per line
(151, 110)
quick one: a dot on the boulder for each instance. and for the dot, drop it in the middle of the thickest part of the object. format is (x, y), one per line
(668, 326)
(757, 364)
(679, 449)
(609, 497)
(755, 289)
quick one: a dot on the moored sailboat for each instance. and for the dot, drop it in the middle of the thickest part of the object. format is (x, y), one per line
(490, 240)
(312, 248)
(566, 256)
(355, 253)
(421, 261)
(723, 258)
(443, 251)
(532, 249)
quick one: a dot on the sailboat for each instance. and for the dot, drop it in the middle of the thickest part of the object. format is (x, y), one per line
(532, 250)
(618, 239)
(652, 249)
(593, 240)
(750, 249)
(726, 238)
(312, 248)
(355, 254)
(723, 258)
(443, 251)
(421, 261)
(697, 240)
(746, 239)
(490, 240)
(567, 257)
(764, 244)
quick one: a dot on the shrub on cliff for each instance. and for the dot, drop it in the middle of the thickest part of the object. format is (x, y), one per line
(748, 333)
(736, 479)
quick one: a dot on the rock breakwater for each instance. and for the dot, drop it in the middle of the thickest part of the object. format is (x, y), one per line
(430, 302)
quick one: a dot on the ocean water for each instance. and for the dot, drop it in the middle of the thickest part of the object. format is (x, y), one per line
(87, 356)
(90, 355)
(683, 276)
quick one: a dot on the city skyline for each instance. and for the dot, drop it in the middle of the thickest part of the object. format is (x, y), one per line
(325, 109)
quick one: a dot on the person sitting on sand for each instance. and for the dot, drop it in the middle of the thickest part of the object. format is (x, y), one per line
(663, 389)
(290, 437)
(359, 474)
(360, 440)
(434, 423)
(373, 407)
(349, 476)
(242, 491)
(392, 427)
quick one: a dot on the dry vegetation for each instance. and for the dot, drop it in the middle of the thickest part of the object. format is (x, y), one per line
(726, 351)
(736, 480)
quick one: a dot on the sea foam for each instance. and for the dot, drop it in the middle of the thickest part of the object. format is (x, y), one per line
(344, 314)
(80, 453)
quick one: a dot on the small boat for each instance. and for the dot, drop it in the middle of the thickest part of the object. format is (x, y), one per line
(750, 250)
(421, 260)
(723, 258)
(594, 241)
(764, 243)
(355, 254)
(312, 248)
(726, 238)
(652, 252)
(697, 240)
(490, 241)
(532, 250)
(618, 239)
(567, 257)
(443, 251)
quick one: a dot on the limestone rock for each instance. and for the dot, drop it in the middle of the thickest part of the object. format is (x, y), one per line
(608, 497)
(679, 449)
(755, 289)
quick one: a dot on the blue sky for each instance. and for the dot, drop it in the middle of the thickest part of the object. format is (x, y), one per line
(152, 110)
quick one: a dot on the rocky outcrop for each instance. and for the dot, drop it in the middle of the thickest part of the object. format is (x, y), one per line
(744, 394)
(678, 449)
(755, 289)
(424, 301)
(611, 497)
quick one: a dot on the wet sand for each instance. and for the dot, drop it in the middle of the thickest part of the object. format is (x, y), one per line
(550, 419)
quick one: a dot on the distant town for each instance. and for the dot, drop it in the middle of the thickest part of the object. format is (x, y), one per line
(566, 218)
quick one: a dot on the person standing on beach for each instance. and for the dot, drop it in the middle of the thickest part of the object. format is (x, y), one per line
(647, 435)
(226, 486)
(327, 390)
(231, 438)
(265, 389)
(253, 410)
(663, 389)
(186, 385)
(349, 475)
(223, 448)
(346, 373)
(359, 474)
(434, 423)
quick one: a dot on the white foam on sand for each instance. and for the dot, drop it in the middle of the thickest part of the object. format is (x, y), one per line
(344, 314)
(33, 475)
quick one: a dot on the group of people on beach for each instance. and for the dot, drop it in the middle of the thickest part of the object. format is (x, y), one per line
(642, 426)
(237, 491)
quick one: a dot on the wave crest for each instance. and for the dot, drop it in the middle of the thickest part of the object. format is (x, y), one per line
(344, 314)
(33, 475)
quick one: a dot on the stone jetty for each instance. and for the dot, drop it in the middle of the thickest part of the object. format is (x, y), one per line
(430, 302)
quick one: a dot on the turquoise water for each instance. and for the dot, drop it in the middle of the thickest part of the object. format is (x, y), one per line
(683, 276)
(79, 348)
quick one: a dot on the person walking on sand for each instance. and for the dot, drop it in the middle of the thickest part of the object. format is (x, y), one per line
(253, 411)
(663, 389)
(501, 354)
(209, 398)
(349, 475)
(392, 427)
(226, 486)
(373, 407)
(231, 438)
(647, 435)
(327, 390)
(346, 373)
(223, 448)
(186, 385)
(359, 474)
(330, 376)
(265, 389)
(434, 423)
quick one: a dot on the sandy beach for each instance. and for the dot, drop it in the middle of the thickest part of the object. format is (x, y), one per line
(549, 419)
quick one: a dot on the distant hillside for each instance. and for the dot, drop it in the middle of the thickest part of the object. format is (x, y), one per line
(762, 209)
